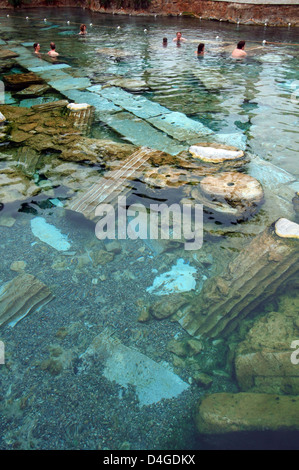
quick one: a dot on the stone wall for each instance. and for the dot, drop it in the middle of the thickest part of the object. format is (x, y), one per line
(233, 11)
(274, 12)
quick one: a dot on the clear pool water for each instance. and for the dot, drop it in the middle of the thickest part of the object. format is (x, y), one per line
(66, 383)
(253, 97)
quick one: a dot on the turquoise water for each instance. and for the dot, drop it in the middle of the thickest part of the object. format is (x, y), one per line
(232, 96)
(73, 378)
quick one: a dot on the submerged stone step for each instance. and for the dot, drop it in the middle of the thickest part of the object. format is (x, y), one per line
(51, 74)
(175, 124)
(141, 133)
(238, 140)
(31, 62)
(137, 105)
(100, 103)
(19, 81)
(95, 88)
(70, 83)
(19, 49)
(8, 54)
(179, 126)
(271, 176)
(49, 67)
(33, 91)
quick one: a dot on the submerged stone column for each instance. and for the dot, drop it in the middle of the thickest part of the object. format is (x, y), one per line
(252, 277)
(82, 116)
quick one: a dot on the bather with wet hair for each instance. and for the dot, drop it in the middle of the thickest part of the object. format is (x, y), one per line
(83, 30)
(200, 49)
(52, 52)
(36, 47)
(239, 52)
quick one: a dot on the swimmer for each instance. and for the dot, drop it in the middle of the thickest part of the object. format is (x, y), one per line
(239, 52)
(201, 49)
(164, 43)
(83, 30)
(52, 52)
(179, 37)
(36, 47)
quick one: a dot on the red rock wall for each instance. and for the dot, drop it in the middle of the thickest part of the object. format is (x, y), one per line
(279, 15)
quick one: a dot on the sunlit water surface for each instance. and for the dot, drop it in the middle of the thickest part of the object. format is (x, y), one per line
(48, 399)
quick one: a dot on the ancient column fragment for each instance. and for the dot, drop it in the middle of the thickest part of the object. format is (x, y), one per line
(23, 295)
(82, 116)
(253, 276)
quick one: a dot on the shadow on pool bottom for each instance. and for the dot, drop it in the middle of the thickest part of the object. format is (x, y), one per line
(258, 440)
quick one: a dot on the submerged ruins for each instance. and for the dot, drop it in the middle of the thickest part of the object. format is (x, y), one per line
(148, 319)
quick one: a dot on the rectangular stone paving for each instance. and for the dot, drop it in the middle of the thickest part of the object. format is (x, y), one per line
(70, 83)
(135, 104)
(49, 67)
(141, 133)
(94, 88)
(175, 124)
(236, 139)
(100, 103)
(52, 74)
(137, 119)
(179, 126)
(268, 174)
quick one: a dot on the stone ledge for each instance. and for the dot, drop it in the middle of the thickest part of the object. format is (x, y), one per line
(222, 413)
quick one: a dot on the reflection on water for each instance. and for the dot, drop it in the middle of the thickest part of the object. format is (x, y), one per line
(76, 366)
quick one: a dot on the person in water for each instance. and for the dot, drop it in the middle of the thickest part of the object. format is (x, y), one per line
(52, 52)
(165, 42)
(36, 47)
(201, 49)
(83, 30)
(179, 37)
(239, 52)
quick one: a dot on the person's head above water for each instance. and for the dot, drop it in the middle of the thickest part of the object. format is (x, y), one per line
(179, 37)
(36, 47)
(52, 52)
(241, 45)
(83, 29)
(200, 49)
(164, 42)
(239, 52)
